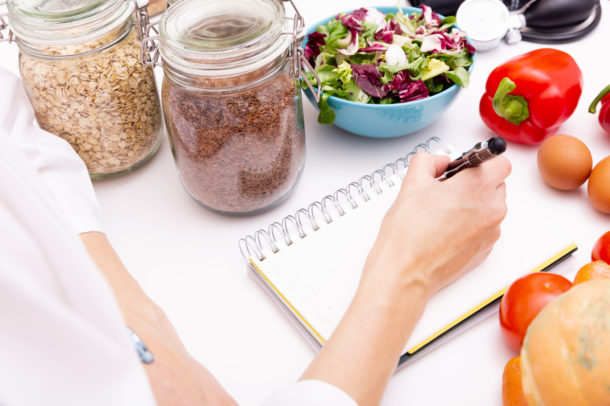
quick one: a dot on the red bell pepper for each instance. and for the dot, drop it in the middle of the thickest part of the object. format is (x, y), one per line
(530, 96)
(604, 112)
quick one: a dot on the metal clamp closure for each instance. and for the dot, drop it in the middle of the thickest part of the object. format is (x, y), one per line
(149, 51)
(142, 17)
(299, 62)
(6, 34)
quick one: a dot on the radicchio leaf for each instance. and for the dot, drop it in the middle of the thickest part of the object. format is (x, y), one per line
(392, 26)
(454, 41)
(433, 42)
(376, 17)
(459, 37)
(360, 14)
(376, 47)
(407, 89)
(353, 21)
(431, 18)
(386, 35)
(315, 40)
(368, 78)
(413, 91)
(449, 41)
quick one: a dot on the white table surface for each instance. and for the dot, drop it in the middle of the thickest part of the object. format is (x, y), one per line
(186, 257)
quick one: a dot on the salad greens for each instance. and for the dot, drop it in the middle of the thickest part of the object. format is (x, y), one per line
(367, 56)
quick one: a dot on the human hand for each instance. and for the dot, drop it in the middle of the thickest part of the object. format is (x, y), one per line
(437, 230)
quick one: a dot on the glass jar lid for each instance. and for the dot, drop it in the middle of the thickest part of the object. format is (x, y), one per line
(54, 9)
(60, 22)
(223, 37)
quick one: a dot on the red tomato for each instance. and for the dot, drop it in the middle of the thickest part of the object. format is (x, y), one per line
(601, 249)
(523, 300)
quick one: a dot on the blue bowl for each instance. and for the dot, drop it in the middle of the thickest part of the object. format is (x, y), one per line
(387, 120)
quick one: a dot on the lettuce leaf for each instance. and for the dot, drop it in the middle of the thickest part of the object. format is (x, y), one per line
(327, 115)
(369, 31)
(356, 94)
(459, 76)
(334, 31)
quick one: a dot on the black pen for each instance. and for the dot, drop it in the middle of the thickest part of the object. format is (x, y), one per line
(480, 153)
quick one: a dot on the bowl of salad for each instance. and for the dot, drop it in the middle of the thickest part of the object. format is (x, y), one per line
(386, 72)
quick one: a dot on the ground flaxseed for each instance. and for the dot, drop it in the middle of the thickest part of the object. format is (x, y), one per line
(104, 103)
(237, 151)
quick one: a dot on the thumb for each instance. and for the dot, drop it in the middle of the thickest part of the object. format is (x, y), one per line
(424, 167)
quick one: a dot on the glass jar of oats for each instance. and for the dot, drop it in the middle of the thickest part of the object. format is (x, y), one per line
(80, 65)
(231, 100)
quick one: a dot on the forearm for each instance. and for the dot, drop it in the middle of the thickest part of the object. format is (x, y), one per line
(175, 377)
(364, 350)
(139, 311)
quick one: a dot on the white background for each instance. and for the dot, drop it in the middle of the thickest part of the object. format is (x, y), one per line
(186, 257)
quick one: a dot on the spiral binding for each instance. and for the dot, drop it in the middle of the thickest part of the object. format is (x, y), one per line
(326, 209)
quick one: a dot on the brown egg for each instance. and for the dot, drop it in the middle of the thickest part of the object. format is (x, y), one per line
(599, 186)
(564, 162)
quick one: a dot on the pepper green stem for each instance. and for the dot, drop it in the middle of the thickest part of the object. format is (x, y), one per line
(511, 107)
(601, 95)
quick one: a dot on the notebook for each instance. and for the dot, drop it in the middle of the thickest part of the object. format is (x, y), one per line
(310, 262)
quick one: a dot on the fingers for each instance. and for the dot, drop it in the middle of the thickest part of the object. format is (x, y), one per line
(501, 196)
(501, 189)
(491, 173)
(440, 162)
(497, 169)
(424, 166)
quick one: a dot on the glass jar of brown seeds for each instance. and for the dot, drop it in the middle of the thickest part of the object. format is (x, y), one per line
(80, 65)
(231, 102)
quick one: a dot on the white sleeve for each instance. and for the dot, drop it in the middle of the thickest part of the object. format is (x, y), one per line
(63, 341)
(310, 393)
(61, 170)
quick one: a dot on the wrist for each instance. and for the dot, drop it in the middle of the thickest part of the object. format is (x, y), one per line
(396, 293)
(391, 275)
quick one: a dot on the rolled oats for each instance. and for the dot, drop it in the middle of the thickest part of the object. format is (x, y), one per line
(103, 102)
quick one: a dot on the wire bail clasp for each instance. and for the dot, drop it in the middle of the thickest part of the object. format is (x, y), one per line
(149, 51)
(6, 33)
(299, 62)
